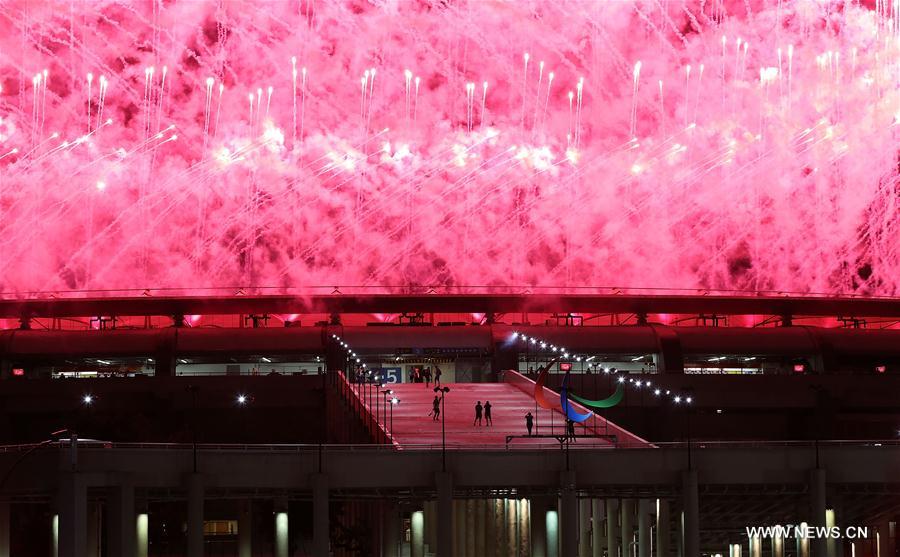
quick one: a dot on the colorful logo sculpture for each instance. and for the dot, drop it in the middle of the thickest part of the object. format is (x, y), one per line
(564, 395)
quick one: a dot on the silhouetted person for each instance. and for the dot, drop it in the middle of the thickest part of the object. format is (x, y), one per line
(487, 413)
(529, 422)
(417, 375)
(570, 427)
(478, 410)
(436, 408)
(437, 376)
(427, 375)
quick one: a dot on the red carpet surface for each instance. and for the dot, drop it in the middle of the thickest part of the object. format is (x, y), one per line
(412, 425)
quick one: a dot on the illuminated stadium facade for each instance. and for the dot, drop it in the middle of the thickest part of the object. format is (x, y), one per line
(416, 278)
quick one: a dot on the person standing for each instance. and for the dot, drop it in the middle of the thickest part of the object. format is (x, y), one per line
(529, 422)
(487, 413)
(437, 376)
(427, 375)
(570, 430)
(478, 410)
(436, 408)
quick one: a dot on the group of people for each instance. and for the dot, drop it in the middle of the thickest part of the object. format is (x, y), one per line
(418, 375)
(570, 427)
(482, 412)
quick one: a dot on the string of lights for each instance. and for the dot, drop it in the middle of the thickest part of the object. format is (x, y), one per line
(559, 351)
(367, 373)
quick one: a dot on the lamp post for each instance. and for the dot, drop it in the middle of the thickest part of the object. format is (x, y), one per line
(443, 391)
(385, 394)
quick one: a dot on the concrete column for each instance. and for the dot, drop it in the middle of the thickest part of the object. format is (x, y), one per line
(552, 522)
(93, 530)
(643, 528)
(282, 529)
(54, 535)
(142, 534)
(830, 543)
(627, 512)
(612, 528)
(430, 525)
(459, 528)
(584, 528)
(391, 537)
(755, 547)
(417, 534)
(491, 528)
(568, 514)
(195, 515)
(245, 529)
(598, 527)
(121, 522)
(817, 508)
(663, 528)
(511, 523)
(691, 501)
(539, 508)
(679, 534)
(777, 546)
(802, 544)
(734, 550)
(4, 528)
(469, 505)
(72, 515)
(444, 483)
(524, 526)
(481, 519)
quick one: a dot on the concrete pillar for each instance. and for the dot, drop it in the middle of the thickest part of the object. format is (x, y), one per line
(802, 543)
(511, 523)
(121, 522)
(524, 526)
(612, 528)
(459, 528)
(831, 543)
(195, 515)
(817, 509)
(417, 534)
(72, 515)
(755, 546)
(584, 528)
(539, 508)
(627, 511)
(568, 511)
(691, 501)
(598, 527)
(491, 528)
(444, 483)
(430, 509)
(679, 535)
(282, 532)
(4, 528)
(663, 528)
(481, 519)
(552, 522)
(643, 528)
(469, 505)
(390, 540)
(245, 529)
(93, 530)
(142, 534)
(777, 546)
(734, 550)
(54, 535)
